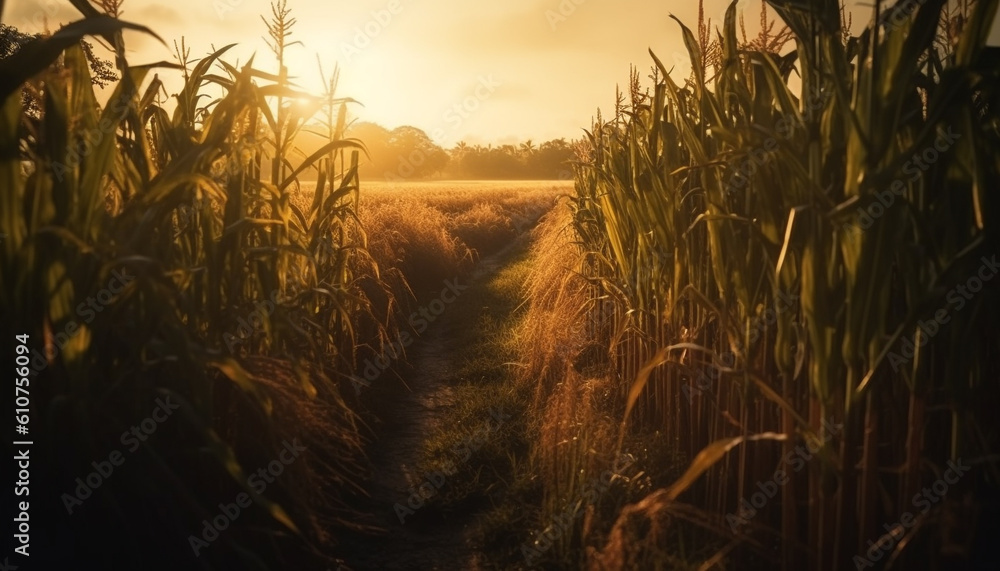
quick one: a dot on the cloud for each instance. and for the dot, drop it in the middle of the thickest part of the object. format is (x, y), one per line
(155, 15)
(33, 17)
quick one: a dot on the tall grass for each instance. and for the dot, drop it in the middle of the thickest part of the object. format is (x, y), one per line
(699, 259)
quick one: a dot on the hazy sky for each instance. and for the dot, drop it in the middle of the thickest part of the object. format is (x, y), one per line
(470, 70)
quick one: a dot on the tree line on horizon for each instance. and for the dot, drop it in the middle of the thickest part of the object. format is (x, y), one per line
(408, 153)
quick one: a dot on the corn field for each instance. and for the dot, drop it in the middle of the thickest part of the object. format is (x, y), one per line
(231, 293)
(809, 267)
(758, 332)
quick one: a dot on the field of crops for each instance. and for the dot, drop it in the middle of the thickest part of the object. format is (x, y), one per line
(756, 330)
(153, 256)
(427, 231)
(795, 291)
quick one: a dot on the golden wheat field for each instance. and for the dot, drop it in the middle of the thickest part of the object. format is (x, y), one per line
(540, 284)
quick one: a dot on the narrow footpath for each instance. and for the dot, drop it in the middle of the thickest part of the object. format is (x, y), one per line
(413, 400)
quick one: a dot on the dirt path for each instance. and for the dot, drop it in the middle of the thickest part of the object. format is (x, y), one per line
(428, 539)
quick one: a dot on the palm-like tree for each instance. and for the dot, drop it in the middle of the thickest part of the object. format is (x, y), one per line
(527, 148)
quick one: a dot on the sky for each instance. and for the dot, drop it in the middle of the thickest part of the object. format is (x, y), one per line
(461, 70)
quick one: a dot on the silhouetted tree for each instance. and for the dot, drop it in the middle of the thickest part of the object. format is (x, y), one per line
(403, 153)
(524, 161)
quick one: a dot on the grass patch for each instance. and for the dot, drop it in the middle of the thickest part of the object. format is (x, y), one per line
(487, 463)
